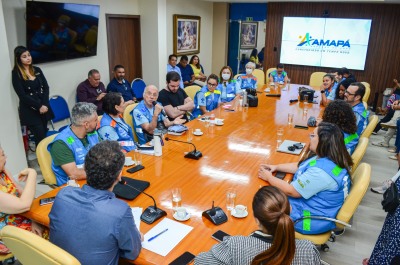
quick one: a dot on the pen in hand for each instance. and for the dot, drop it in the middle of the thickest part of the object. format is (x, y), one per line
(153, 237)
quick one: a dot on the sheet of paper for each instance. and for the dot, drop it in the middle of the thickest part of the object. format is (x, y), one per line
(137, 212)
(165, 242)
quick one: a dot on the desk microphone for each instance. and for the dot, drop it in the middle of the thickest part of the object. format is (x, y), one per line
(293, 100)
(162, 111)
(152, 213)
(192, 155)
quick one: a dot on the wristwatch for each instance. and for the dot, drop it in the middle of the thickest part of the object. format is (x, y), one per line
(322, 91)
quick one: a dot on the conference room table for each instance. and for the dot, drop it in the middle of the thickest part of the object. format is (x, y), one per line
(232, 154)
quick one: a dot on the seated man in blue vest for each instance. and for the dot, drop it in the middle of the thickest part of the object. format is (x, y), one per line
(112, 125)
(208, 97)
(69, 148)
(353, 95)
(147, 116)
(91, 223)
(279, 75)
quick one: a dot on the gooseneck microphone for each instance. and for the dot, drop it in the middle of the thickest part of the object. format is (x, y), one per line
(152, 213)
(192, 155)
(162, 111)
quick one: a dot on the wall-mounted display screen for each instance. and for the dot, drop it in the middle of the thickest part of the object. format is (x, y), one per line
(325, 42)
(61, 31)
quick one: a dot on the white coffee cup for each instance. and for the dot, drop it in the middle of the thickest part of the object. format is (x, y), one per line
(198, 131)
(218, 121)
(181, 212)
(240, 210)
(128, 160)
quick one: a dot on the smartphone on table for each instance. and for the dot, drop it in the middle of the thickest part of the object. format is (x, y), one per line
(219, 235)
(45, 201)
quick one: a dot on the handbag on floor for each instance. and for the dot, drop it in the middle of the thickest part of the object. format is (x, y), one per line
(391, 199)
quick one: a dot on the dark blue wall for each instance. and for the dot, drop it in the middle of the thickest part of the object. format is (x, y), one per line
(240, 11)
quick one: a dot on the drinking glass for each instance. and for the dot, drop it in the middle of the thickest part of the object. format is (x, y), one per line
(176, 194)
(290, 118)
(305, 97)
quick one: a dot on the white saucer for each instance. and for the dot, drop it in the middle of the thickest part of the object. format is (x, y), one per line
(129, 164)
(233, 213)
(198, 134)
(219, 124)
(182, 220)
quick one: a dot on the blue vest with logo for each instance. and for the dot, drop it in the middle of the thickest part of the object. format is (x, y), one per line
(211, 103)
(125, 136)
(325, 203)
(278, 78)
(149, 116)
(362, 117)
(78, 149)
(228, 91)
(351, 141)
(247, 82)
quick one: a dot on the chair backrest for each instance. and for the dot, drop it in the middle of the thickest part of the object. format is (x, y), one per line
(259, 74)
(236, 76)
(316, 79)
(360, 182)
(359, 152)
(138, 86)
(367, 91)
(267, 74)
(129, 120)
(191, 91)
(34, 250)
(373, 121)
(60, 108)
(44, 160)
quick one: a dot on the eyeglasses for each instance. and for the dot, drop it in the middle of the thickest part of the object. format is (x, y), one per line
(212, 85)
(312, 135)
(347, 92)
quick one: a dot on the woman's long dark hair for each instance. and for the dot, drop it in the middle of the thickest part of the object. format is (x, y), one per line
(198, 61)
(331, 145)
(18, 67)
(272, 209)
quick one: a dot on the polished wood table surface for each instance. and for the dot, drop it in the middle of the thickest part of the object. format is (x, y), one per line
(232, 154)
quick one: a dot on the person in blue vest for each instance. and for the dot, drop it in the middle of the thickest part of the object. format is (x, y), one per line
(248, 81)
(229, 87)
(208, 97)
(320, 183)
(70, 146)
(340, 113)
(353, 95)
(112, 125)
(279, 75)
(147, 116)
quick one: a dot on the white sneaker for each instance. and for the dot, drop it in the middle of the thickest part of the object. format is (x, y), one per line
(381, 189)
(381, 144)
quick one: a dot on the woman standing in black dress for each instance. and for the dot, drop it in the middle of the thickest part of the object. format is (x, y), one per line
(33, 93)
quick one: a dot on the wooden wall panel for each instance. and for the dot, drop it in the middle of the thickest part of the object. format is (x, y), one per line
(383, 56)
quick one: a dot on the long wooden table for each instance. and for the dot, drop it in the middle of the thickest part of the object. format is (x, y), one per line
(232, 154)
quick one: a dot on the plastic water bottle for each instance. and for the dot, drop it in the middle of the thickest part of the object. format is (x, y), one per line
(244, 97)
(157, 142)
(288, 84)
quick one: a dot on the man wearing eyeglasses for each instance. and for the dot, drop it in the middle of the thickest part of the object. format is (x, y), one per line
(175, 100)
(147, 116)
(353, 95)
(208, 97)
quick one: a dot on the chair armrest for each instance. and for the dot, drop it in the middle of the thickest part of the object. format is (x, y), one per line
(323, 218)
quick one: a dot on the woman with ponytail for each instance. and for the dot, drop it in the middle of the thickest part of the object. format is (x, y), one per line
(274, 243)
(320, 183)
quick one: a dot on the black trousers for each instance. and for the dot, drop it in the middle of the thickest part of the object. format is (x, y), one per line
(39, 131)
(387, 118)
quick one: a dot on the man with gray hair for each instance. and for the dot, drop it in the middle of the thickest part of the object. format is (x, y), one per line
(148, 116)
(69, 148)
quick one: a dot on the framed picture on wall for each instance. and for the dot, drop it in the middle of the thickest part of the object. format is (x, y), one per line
(248, 35)
(186, 34)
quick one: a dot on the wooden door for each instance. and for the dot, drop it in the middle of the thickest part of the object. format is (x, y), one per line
(124, 45)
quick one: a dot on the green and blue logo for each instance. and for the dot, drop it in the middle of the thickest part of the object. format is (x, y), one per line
(307, 40)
